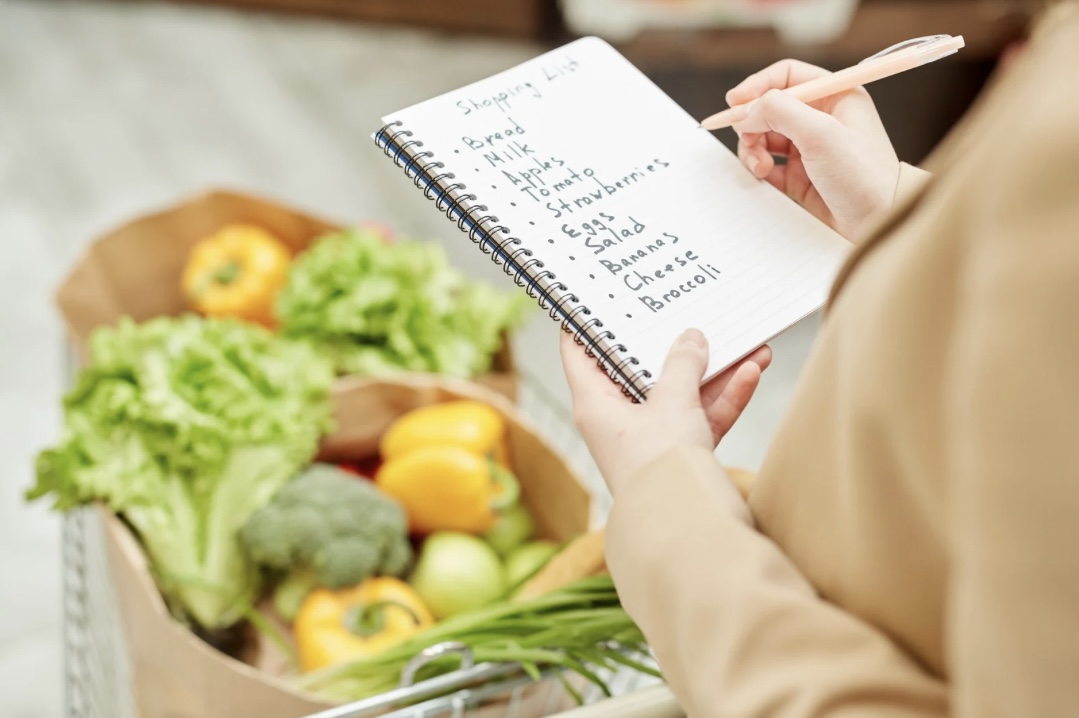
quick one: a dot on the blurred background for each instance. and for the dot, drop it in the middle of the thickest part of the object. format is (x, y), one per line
(112, 108)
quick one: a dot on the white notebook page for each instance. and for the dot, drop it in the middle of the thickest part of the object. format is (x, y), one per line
(647, 218)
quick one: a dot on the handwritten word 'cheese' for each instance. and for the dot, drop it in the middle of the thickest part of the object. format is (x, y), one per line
(706, 273)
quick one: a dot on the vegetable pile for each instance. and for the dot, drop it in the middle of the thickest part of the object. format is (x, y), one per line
(377, 308)
(373, 305)
(580, 628)
(449, 467)
(185, 427)
(201, 432)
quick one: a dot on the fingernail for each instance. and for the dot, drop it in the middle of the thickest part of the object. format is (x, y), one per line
(694, 336)
(753, 162)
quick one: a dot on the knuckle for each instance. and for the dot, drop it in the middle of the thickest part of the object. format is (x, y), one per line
(770, 101)
(861, 92)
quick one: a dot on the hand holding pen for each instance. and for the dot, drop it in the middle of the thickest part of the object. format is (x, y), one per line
(840, 165)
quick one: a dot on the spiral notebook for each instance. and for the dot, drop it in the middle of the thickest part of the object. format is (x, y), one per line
(605, 201)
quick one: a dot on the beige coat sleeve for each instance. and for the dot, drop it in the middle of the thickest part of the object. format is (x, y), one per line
(911, 179)
(737, 630)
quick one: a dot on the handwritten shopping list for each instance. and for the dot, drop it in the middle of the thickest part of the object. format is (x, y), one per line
(619, 195)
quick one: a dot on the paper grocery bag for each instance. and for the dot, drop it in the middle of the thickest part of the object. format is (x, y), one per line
(177, 675)
(135, 269)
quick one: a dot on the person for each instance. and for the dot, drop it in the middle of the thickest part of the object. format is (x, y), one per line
(908, 547)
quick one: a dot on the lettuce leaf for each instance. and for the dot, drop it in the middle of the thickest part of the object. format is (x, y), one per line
(378, 308)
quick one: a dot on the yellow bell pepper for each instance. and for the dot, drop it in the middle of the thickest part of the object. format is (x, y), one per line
(448, 488)
(471, 425)
(337, 626)
(237, 272)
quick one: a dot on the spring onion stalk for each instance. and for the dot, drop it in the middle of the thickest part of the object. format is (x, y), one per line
(581, 628)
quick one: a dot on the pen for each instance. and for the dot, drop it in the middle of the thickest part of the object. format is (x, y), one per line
(891, 61)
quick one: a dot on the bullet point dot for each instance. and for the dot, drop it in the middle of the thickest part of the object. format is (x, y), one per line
(591, 276)
(550, 241)
(494, 186)
(457, 152)
(513, 204)
(477, 169)
(629, 316)
(611, 296)
(573, 258)
(532, 223)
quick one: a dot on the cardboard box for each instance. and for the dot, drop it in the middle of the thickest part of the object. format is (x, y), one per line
(177, 675)
(135, 269)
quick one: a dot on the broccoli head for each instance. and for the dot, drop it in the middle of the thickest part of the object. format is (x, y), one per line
(327, 528)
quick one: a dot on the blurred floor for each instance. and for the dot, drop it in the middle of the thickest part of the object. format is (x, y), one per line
(110, 109)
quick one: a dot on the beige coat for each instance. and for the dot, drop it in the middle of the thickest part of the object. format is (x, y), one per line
(916, 542)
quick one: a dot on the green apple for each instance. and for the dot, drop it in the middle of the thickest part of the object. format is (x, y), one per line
(457, 572)
(526, 560)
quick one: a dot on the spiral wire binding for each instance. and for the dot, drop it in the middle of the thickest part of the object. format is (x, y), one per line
(459, 206)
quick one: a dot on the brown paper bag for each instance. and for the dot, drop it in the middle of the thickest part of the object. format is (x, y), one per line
(135, 269)
(177, 675)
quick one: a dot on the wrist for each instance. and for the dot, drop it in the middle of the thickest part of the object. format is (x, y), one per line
(686, 469)
(658, 471)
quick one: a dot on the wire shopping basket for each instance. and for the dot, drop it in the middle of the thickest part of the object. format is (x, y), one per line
(463, 691)
(98, 675)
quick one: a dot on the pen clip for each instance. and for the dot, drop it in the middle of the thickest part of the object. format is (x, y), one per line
(916, 42)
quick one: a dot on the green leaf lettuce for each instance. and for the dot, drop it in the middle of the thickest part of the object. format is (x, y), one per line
(185, 427)
(378, 308)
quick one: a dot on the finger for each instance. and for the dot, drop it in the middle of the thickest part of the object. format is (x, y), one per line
(776, 144)
(680, 379)
(809, 130)
(762, 165)
(762, 357)
(756, 159)
(728, 406)
(712, 390)
(778, 178)
(777, 76)
(587, 381)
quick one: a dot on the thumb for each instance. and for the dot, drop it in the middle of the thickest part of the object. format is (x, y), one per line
(680, 379)
(813, 132)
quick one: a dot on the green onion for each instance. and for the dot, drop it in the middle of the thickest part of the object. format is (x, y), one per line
(579, 628)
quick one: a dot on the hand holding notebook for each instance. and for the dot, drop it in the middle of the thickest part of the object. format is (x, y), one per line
(608, 203)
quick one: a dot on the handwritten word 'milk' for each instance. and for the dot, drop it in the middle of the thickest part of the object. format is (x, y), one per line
(500, 100)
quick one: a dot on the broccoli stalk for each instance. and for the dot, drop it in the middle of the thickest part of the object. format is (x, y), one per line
(326, 528)
(292, 590)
